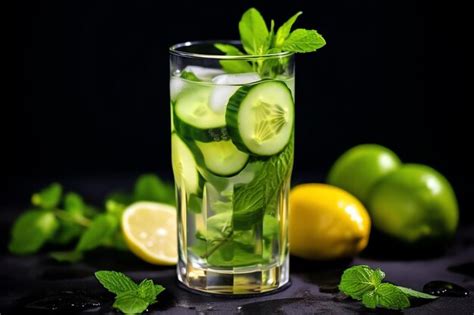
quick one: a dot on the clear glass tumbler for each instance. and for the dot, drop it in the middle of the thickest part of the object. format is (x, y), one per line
(232, 134)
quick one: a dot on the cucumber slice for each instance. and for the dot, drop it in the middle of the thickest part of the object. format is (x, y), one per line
(184, 166)
(260, 117)
(194, 120)
(222, 158)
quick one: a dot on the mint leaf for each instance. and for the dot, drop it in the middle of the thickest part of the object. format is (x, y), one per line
(386, 295)
(115, 208)
(115, 282)
(74, 204)
(358, 280)
(303, 41)
(417, 294)
(364, 283)
(120, 197)
(147, 291)
(68, 229)
(150, 187)
(230, 50)
(130, 303)
(284, 30)
(48, 197)
(189, 75)
(233, 66)
(101, 229)
(253, 32)
(67, 256)
(158, 289)
(236, 66)
(131, 298)
(31, 230)
(252, 200)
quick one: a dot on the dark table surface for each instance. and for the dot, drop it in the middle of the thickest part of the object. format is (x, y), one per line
(30, 283)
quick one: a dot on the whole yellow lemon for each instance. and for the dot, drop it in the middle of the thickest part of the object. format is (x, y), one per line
(326, 222)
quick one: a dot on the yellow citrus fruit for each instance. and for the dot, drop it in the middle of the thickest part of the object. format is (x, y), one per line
(149, 229)
(326, 222)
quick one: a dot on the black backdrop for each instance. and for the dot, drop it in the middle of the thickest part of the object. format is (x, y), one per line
(92, 85)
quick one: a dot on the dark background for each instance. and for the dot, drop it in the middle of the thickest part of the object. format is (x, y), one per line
(91, 98)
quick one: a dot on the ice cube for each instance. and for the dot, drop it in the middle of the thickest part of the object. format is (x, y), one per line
(203, 73)
(176, 86)
(226, 86)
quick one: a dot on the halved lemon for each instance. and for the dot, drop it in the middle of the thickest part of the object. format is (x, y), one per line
(150, 231)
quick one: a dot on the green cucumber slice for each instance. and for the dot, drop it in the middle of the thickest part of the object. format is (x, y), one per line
(194, 120)
(222, 157)
(260, 117)
(184, 166)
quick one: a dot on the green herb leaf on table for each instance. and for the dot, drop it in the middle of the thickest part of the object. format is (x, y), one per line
(417, 294)
(130, 303)
(150, 187)
(67, 256)
(365, 284)
(115, 282)
(48, 197)
(101, 229)
(130, 297)
(74, 204)
(358, 280)
(31, 231)
(386, 295)
(146, 290)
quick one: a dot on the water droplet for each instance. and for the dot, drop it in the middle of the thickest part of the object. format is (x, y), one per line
(64, 301)
(444, 288)
(143, 235)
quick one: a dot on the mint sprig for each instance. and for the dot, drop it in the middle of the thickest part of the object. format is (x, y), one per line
(130, 297)
(365, 284)
(258, 39)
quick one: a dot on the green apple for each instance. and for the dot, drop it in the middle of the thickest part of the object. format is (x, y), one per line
(414, 203)
(360, 167)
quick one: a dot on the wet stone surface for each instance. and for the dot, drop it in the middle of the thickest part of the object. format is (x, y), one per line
(38, 285)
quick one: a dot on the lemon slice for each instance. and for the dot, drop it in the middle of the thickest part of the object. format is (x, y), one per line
(149, 228)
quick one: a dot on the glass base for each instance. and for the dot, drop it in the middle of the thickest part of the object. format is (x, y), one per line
(237, 281)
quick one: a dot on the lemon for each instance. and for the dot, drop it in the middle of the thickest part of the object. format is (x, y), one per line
(326, 222)
(149, 229)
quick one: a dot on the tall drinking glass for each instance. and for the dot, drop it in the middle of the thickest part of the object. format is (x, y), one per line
(232, 135)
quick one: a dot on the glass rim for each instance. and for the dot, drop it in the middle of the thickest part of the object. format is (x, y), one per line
(175, 50)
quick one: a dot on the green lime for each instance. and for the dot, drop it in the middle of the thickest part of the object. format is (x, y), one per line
(414, 203)
(360, 167)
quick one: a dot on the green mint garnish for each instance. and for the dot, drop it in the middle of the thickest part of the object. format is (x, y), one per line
(130, 297)
(31, 231)
(387, 296)
(49, 197)
(100, 230)
(365, 284)
(150, 187)
(257, 39)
